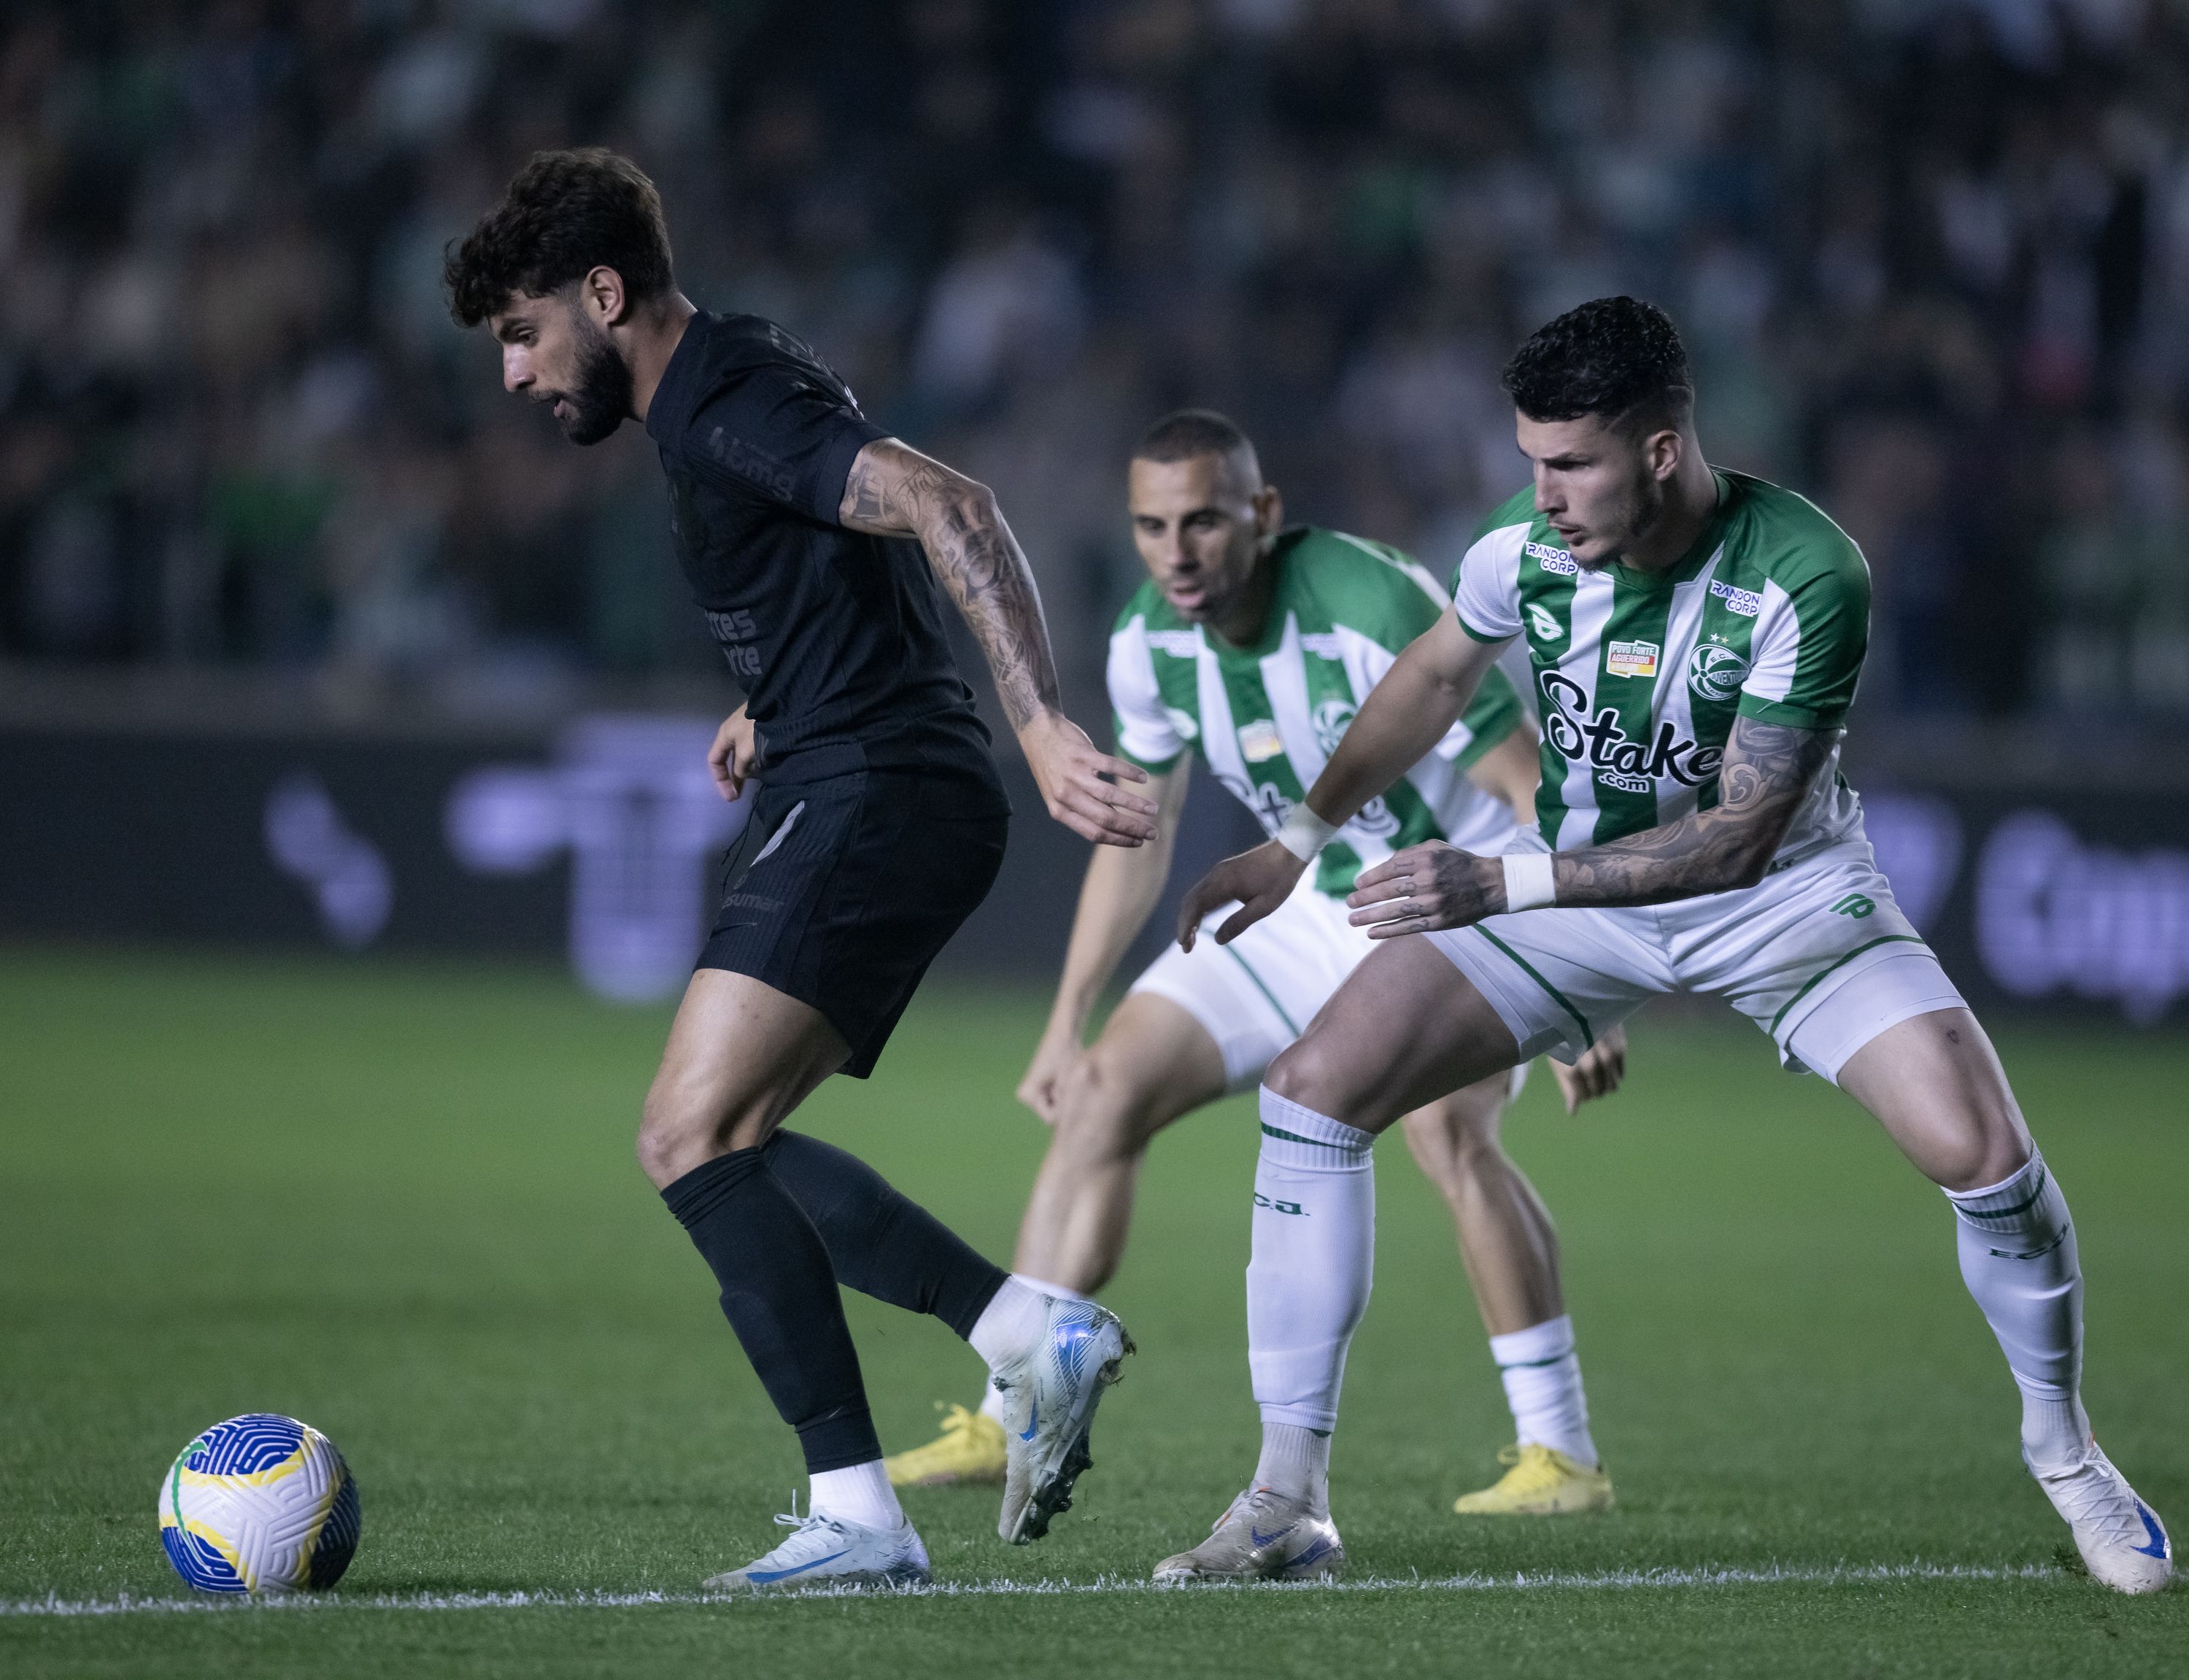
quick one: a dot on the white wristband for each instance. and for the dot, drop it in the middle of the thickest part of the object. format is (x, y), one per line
(1304, 833)
(1530, 881)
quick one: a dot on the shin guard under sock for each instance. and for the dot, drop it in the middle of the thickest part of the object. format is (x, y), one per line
(880, 1242)
(2018, 1248)
(1313, 1261)
(779, 1294)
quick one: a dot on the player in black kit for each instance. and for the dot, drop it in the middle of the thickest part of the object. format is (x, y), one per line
(813, 541)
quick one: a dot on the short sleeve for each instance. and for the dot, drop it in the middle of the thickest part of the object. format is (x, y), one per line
(1486, 590)
(1807, 648)
(775, 428)
(1146, 732)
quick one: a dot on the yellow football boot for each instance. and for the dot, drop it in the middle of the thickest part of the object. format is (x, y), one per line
(1543, 1482)
(970, 1449)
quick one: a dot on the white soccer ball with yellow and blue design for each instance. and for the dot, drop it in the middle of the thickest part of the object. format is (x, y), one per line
(260, 1504)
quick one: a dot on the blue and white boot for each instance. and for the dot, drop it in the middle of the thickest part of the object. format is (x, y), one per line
(2120, 1537)
(824, 1550)
(1049, 1395)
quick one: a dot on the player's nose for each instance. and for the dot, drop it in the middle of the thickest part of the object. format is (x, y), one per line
(515, 374)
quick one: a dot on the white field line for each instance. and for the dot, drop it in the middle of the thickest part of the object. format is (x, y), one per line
(1548, 1580)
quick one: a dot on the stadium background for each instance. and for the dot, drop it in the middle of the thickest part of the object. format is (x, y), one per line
(324, 663)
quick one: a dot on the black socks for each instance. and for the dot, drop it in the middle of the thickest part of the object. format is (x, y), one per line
(780, 1225)
(779, 1294)
(882, 1241)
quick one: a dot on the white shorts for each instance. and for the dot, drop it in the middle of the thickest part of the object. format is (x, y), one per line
(1818, 954)
(1257, 995)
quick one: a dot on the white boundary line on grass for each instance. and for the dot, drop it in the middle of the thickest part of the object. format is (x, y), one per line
(1548, 1581)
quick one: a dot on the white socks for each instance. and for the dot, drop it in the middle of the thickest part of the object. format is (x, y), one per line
(1541, 1374)
(2018, 1259)
(1314, 1260)
(1011, 1322)
(992, 1397)
(1296, 1463)
(860, 1494)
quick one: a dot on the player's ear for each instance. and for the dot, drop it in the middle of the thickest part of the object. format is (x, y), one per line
(1662, 450)
(601, 294)
(1269, 511)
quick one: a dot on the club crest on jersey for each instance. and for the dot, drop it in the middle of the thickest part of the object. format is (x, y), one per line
(1331, 718)
(1259, 742)
(1602, 743)
(1553, 559)
(1715, 672)
(1631, 659)
(1545, 623)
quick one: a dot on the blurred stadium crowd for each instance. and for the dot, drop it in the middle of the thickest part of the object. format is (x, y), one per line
(1932, 259)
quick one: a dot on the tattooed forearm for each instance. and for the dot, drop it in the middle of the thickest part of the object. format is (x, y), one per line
(1761, 783)
(897, 492)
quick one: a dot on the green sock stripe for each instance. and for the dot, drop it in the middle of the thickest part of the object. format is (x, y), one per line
(1532, 1364)
(2006, 1213)
(1291, 1026)
(1829, 968)
(1588, 1038)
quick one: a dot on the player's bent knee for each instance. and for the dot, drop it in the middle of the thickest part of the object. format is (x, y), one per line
(1313, 1073)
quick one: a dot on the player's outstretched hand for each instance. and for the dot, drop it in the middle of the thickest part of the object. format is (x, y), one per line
(731, 758)
(1257, 881)
(1425, 888)
(1071, 777)
(1042, 1090)
(1597, 1072)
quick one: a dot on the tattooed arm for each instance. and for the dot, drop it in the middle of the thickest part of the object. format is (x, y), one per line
(1765, 776)
(894, 491)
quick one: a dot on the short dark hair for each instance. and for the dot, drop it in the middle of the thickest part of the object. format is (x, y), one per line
(1616, 357)
(565, 213)
(1185, 434)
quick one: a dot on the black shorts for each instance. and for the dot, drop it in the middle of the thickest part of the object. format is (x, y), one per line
(840, 892)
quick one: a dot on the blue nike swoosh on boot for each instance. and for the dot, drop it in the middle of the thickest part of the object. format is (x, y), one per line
(2157, 1546)
(1273, 1536)
(1033, 1418)
(786, 1575)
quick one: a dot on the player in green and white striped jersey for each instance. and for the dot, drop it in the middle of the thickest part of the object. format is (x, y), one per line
(1695, 637)
(1250, 648)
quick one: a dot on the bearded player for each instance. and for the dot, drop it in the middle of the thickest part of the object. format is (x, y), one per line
(1695, 636)
(1249, 647)
(814, 541)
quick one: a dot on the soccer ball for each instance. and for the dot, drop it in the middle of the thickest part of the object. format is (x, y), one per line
(259, 1503)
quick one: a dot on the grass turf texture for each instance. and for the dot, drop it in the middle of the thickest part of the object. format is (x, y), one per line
(397, 1201)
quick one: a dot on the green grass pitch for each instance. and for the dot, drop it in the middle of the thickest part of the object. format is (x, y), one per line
(397, 1200)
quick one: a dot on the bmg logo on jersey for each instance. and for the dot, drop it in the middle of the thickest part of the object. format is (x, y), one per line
(1715, 672)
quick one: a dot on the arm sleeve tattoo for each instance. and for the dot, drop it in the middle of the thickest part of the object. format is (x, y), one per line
(1765, 776)
(894, 491)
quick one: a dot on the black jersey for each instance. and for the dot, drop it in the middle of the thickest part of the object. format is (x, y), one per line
(836, 637)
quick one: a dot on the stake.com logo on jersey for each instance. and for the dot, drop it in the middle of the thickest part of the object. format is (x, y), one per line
(1631, 766)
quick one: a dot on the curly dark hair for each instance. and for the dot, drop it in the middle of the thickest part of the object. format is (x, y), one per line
(565, 213)
(1616, 357)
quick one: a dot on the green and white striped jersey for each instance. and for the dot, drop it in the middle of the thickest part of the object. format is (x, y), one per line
(1640, 677)
(1265, 719)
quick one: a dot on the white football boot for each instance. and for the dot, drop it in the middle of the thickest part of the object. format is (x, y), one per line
(826, 1551)
(2120, 1537)
(1049, 1396)
(1262, 1536)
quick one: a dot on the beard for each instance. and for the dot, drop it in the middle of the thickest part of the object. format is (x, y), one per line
(602, 397)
